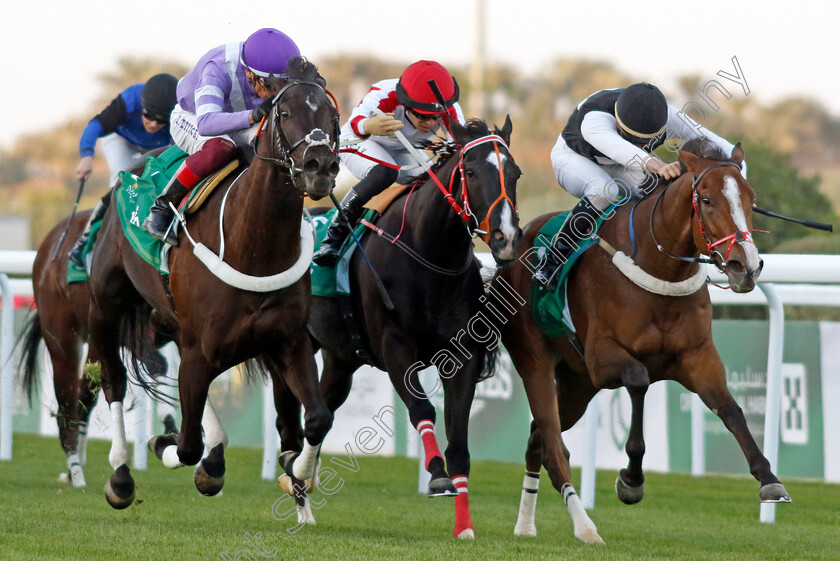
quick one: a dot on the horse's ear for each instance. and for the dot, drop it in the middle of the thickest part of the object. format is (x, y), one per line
(459, 132)
(505, 130)
(738, 154)
(688, 161)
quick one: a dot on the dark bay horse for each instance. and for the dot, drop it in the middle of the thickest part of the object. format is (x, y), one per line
(639, 326)
(258, 311)
(438, 317)
(60, 319)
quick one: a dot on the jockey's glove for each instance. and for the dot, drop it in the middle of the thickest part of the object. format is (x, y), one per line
(382, 125)
(263, 110)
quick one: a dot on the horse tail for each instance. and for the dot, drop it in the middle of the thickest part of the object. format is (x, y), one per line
(145, 364)
(489, 362)
(29, 340)
(258, 368)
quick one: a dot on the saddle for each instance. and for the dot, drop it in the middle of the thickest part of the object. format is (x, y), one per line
(551, 309)
(136, 194)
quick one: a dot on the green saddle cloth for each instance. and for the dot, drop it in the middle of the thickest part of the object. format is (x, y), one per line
(549, 308)
(135, 196)
(334, 280)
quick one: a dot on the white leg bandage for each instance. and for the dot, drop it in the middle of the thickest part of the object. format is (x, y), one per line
(119, 448)
(525, 523)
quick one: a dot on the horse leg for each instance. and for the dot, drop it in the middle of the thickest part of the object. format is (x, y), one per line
(88, 390)
(67, 392)
(401, 366)
(707, 378)
(459, 392)
(209, 474)
(535, 368)
(119, 491)
(291, 440)
(607, 361)
(297, 365)
(526, 520)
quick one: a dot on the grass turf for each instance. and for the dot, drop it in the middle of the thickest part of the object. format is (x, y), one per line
(378, 514)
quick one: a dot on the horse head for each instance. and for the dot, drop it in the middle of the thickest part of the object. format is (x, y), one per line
(303, 128)
(488, 185)
(723, 202)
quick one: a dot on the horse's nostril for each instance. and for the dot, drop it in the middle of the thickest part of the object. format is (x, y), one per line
(498, 235)
(334, 168)
(311, 166)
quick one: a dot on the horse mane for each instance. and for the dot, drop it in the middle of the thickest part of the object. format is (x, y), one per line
(705, 148)
(477, 128)
(299, 68)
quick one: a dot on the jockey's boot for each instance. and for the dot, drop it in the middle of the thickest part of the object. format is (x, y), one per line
(160, 218)
(75, 254)
(579, 225)
(351, 207)
(378, 178)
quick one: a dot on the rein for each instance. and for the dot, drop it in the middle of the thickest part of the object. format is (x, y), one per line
(732, 238)
(482, 228)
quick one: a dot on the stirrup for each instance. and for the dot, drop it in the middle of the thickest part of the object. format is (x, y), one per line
(166, 235)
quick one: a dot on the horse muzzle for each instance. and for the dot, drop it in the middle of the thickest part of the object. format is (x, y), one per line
(318, 175)
(503, 245)
(742, 278)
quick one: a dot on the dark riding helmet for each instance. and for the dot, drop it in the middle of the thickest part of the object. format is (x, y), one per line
(642, 112)
(158, 97)
(414, 91)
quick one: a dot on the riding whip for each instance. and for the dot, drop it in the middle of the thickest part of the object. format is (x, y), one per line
(69, 222)
(386, 299)
(806, 223)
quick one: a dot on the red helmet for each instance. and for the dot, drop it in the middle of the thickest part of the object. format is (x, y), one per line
(415, 92)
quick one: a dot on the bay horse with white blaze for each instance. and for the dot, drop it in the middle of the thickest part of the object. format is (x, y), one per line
(257, 219)
(431, 275)
(640, 324)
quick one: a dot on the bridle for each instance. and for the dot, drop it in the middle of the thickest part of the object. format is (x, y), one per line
(716, 258)
(474, 226)
(282, 152)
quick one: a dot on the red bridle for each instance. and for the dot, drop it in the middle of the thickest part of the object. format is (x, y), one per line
(738, 236)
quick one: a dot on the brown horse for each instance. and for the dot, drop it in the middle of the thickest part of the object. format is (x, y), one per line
(440, 308)
(258, 311)
(60, 319)
(638, 325)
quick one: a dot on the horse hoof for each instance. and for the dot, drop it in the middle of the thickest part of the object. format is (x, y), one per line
(286, 460)
(467, 534)
(773, 493)
(525, 530)
(628, 494)
(119, 491)
(209, 474)
(159, 443)
(441, 487)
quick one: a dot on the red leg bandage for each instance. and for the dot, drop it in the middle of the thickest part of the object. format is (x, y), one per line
(463, 521)
(426, 428)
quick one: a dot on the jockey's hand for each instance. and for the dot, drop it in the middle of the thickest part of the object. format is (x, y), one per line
(85, 168)
(382, 125)
(668, 171)
(262, 111)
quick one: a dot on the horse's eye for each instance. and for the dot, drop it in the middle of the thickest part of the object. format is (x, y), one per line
(284, 114)
(469, 172)
(705, 201)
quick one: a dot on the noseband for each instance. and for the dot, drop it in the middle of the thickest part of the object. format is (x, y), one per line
(715, 257)
(315, 137)
(474, 227)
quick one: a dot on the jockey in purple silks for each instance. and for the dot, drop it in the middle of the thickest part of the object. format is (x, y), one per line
(221, 102)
